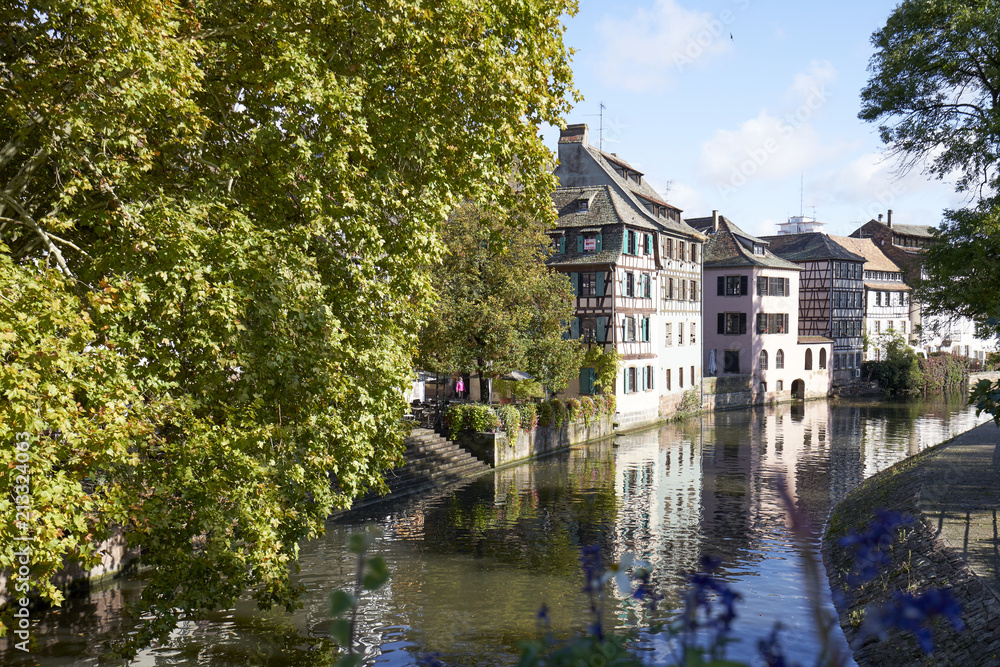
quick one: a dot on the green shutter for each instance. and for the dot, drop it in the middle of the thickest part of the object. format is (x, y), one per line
(602, 333)
(579, 243)
(600, 282)
(562, 245)
(574, 278)
(598, 242)
(575, 328)
(586, 381)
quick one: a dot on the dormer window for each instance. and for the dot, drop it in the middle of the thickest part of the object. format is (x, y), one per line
(758, 249)
(582, 205)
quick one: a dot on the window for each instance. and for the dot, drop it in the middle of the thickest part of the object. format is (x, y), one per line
(588, 242)
(732, 285)
(647, 286)
(763, 387)
(667, 384)
(558, 245)
(772, 323)
(630, 243)
(644, 332)
(588, 329)
(669, 327)
(629, 283)
(648, 243)
(684, 290)
(758, 249)
(732, 323)
(649, 377)
(681, 247)
(780, 385)
(822, 358)
(762, 360)
(857, 358)
(631, 380)
(878, 326)
(693, 337)
(773, 286)
(693, 292)
(670, 289)
(588, 284)
(779, 359)
(809, 359)
(836, 362)
(680, 333)
(668, 248)
(629, 329)
(692, 376)
(680, 377)
(731, 361)
(583, 205)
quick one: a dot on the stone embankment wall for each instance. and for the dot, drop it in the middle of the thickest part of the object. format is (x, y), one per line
(498, 449)
(919, 560)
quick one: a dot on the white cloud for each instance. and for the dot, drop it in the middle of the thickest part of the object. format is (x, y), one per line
(774, 144)
(652, 47)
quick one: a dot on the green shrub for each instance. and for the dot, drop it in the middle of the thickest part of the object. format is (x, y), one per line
(560, 415)
(471, 417)
(546, 415)
(588, 410)
(510, 419)
(573, 410)
(607, 404)
(529, 415)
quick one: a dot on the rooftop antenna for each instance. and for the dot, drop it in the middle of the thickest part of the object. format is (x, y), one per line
(600, 144)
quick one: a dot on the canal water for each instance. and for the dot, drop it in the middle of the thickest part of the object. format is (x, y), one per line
(470, 567)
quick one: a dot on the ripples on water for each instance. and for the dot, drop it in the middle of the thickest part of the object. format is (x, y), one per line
(470, 567)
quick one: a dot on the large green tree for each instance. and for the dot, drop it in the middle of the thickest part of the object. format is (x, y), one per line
(214, 223)
(500, 308)
(934, 89)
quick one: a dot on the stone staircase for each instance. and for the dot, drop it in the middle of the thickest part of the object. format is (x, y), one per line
(430, 461)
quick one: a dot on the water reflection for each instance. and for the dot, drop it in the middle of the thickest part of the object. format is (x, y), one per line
(471, 566)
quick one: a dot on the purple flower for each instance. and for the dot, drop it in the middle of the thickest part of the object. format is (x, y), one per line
(869, 547)
(912, 613)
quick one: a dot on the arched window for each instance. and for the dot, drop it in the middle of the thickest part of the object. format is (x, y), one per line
(809, 359)
(763, 360)
(779, 359)
(822, 358)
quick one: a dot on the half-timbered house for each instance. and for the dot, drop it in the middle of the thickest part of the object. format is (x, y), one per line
(887, 297)
(636, 271)
(751, 309)
(905, 245)
(831, 296)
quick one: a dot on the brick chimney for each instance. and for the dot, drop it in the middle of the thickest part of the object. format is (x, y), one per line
(575, 134)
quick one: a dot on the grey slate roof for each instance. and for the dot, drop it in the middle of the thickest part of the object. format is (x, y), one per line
(637, 190)
(809, 246)
(606, 211)
(723, 248)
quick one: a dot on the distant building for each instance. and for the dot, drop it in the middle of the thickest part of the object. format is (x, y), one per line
(636, 270)
(800, 224)
(752, 317)
(905, 245)
(887, 297)
(831, 296)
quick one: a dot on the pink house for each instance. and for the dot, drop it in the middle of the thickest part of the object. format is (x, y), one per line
(751, 321)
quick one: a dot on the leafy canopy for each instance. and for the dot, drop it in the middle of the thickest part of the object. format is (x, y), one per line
(215, 220)
(499, 308)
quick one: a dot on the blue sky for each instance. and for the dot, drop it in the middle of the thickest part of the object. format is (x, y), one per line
(729, 104)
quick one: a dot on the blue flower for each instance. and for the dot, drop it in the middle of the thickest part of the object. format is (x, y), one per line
(869, 547)
(912, 613)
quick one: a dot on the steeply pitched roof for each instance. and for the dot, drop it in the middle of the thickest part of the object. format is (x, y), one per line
(728, 246)
(640, 190)
(809, 246)
(923, 231)
(605, 211)
(875, 259)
